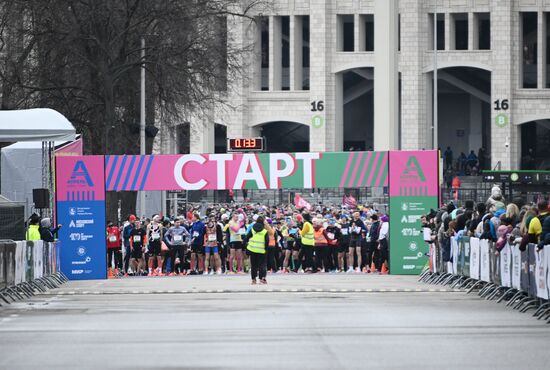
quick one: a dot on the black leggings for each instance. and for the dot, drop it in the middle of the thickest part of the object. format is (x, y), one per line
(382, 254)
(127, 255)
(321, 257)
(333, 257)
(118, 258)
(258, 265)
(307, 262)
(177, 251)
(272, 258)
(372, 253)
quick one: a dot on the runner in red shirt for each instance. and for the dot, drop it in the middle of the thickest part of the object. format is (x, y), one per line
(114, 247)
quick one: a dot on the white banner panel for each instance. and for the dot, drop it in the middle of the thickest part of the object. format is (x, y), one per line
(485, 263)
(474, 258)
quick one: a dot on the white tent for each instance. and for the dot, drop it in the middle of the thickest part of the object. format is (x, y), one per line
(35, 125)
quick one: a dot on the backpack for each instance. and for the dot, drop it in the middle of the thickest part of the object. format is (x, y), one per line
(489, 231)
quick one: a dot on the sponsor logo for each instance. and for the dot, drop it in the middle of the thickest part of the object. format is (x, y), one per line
(81, 251)
(72, 211)
(410, 219)
(413, 171)
(77, 272)
(413, 246)
(408, 267)
(80, 237)
(410, 232)
(80, 176)
(80, 223)
(404, 206)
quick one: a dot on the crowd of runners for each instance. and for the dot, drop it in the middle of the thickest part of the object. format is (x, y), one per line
(236, 239)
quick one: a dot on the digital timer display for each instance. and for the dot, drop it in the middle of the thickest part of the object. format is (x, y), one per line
(245, 144)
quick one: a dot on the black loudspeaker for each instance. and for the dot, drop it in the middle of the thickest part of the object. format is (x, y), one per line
(41, 198)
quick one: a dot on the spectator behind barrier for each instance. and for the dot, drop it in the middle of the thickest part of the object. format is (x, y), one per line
(33, 231)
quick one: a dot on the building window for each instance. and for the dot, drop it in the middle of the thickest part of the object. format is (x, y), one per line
(285, 53)
(440, 31)
(346, 32)
(460, 28)
(529, 29)
(305, 52)
(263, 25)
(366, 32)
(483, 22)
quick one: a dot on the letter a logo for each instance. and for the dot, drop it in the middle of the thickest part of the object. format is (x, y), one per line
(413, 171)
(80, 175)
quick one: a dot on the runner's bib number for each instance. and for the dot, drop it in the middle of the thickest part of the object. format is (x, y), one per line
(137, 238)
(344, 231)
(330, 236)
(212, 237)
(112, 238)
(195, 234)
(155, 236)
(178, 238)
(242, 231)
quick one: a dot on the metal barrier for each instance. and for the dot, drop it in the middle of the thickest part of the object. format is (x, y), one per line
(521, 278)
(28, 267)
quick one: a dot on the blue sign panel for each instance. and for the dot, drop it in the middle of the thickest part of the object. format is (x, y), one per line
(81, 210)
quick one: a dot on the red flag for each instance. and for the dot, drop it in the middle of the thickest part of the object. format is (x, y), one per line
(349, 201)
(300, 202)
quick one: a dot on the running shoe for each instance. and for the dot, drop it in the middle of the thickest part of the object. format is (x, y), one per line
(365, 270)
(263, 281)
(350, 270)
(219, 272)
(172, 274)
(254, 282)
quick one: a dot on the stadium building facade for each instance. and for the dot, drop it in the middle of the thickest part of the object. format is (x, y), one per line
(309, 82)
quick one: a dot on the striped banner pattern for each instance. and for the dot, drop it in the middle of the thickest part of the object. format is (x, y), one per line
(365, 169)
(410, 191)
(80, 196)
(127, 172)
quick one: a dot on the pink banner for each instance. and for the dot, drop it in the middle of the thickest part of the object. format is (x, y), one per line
(80, 178)
(73, 149)
(414, 173)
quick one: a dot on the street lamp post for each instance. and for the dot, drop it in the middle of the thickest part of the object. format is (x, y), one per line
(142, 122)
(435, 120)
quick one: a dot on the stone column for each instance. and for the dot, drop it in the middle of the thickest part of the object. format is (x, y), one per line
(415, 85)
(324, 129)
(386, 75)
(275, 65)
(505, 137)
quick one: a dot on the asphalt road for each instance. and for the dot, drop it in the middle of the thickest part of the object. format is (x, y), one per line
(297, 321)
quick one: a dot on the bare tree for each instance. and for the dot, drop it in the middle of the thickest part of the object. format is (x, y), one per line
(83, 58)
